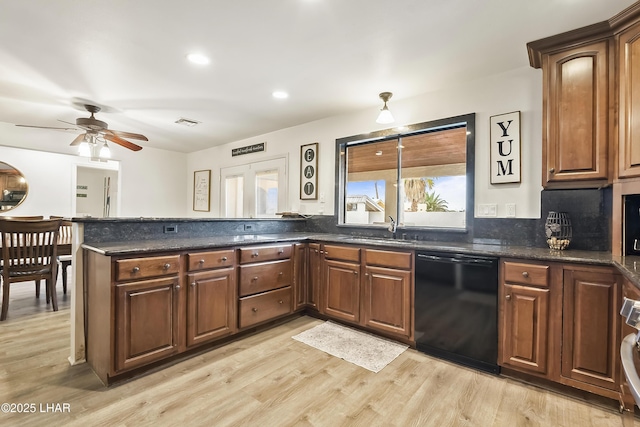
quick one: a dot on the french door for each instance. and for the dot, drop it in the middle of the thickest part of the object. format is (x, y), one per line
(254, 190)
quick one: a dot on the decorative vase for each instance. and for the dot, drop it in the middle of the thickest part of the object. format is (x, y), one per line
(558, 230)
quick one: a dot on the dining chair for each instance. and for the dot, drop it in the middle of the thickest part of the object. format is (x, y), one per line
(63, 260)
(27, 218)
(29, 250)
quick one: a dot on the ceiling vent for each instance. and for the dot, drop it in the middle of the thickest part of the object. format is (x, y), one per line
(186, 122)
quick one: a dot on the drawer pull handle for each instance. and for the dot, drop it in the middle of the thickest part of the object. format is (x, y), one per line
(201, 261)
(255, 278)
(167, 266)
(281, 251)
(135, 269)
(255, 310)
(193, 284)
(280, 302)
(255, 254)
(525, 274)
(508, 297)
(224, 258)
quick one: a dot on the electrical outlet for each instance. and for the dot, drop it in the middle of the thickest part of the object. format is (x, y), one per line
(170, 229)
(511, 210)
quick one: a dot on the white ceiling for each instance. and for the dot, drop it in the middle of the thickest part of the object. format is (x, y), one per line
(332, 56)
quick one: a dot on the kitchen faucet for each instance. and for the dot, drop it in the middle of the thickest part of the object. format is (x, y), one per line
(393, 226)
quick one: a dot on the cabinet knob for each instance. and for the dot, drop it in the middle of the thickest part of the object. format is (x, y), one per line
(315, 250)
(255, 254)
(177, 287)
(224, 258)
(201, 261)
(355, 272)
(281, 251)
(167, 266)
(280, 302)
(255, 310)
(135, 269)
(325, 252)
(366, 274)
(525, 274)
(193, 284)
(552, 170)
(255, 278)
(508, 297)
(280, 274)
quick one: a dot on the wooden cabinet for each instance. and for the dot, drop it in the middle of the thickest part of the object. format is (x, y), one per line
(576, 86)
(561, 322)
(341, 283)
(300, 275)
(315, 276)
(387, 292)
(629, 290)
(146, 322)
(591, 326)
(525, 316)
(629, 102)
(265, 284)
(211, 297)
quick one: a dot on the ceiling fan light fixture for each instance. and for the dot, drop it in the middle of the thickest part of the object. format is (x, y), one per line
(385, 115)
(105, 152)
(84, 150)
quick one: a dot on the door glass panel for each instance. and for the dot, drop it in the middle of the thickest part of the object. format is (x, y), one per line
(234, 196)
(266, 193)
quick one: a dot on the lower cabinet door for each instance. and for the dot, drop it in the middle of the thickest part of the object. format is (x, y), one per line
(211, 308)
(259, 308)
(525, 325)
(147, 322)
(591, 327)
(387, 300)
(341, 296)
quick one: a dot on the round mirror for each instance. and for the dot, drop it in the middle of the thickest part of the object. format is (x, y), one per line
(13, 187)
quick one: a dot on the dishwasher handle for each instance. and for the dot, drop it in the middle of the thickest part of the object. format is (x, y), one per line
(464, 259)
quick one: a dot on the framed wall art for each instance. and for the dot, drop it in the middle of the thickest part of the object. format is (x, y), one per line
(202, 190)
(505, 147)
(309, 172)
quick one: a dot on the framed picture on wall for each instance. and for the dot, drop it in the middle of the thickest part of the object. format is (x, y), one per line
(202, 190)
(505, 148)
(309, 172)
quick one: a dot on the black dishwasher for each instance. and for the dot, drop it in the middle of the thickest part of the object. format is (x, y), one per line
(456, 300)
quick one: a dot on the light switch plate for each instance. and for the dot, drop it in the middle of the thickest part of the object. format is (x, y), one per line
(511, 210)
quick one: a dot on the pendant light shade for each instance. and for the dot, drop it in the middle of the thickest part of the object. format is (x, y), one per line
(385, 115)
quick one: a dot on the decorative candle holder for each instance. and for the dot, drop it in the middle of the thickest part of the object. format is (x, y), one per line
(558, 230)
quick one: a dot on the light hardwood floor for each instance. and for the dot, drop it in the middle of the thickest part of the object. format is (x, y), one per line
(267, 379)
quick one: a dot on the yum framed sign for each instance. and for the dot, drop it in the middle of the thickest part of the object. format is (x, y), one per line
(505, 148)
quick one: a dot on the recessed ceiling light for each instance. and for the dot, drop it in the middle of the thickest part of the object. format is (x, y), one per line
(198, 58)
(280, 94)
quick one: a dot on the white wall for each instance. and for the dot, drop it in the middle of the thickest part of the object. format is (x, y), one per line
(516, 90)
(152, 181)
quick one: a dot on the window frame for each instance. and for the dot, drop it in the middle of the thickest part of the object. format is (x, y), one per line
(395, 133)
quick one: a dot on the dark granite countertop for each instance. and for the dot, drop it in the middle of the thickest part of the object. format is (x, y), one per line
(629, 266)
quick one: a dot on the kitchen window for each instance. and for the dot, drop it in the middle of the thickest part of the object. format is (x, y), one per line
(421, 176)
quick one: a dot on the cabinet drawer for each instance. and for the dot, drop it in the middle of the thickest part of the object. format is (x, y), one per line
(137, 268)
(262, 277)
(526, 274)
(388, 258)
(213, 259)
(344, 253)
(269, 305)
(264, 253)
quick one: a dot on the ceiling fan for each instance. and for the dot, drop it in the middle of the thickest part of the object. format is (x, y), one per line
(95, 129)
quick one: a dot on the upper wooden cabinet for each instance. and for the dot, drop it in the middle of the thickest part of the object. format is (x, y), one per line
(591, 102)
(629, 101)
(575, 115)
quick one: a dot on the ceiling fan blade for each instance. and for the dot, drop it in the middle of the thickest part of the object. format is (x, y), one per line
(69, 123)
(126, 134)
(78, 139)
(122, 142)
(45, 127)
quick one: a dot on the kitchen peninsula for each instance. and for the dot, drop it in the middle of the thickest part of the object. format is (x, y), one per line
(203, 287)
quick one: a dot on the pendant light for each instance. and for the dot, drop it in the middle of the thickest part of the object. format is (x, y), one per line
(385, 115)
